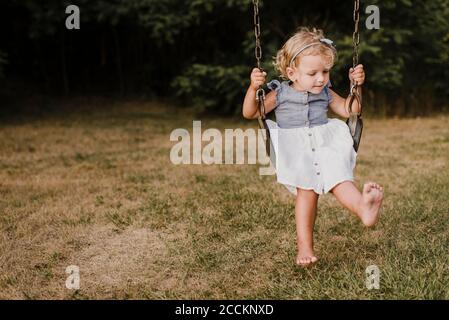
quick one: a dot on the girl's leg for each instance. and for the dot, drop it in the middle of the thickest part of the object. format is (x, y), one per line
(365, 205)
(305, 213)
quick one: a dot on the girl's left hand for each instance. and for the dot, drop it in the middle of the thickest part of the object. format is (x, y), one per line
(357, 74)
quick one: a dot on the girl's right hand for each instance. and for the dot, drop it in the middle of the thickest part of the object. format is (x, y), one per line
(257, 78)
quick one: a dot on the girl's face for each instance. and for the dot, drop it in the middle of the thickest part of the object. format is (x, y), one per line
(310, 75)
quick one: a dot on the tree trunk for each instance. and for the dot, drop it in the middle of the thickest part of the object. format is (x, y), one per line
(65, 80)
(119, 62)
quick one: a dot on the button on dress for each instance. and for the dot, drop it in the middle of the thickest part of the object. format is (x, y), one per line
(311, 151)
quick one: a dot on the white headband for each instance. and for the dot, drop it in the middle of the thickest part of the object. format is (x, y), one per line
(323, 40)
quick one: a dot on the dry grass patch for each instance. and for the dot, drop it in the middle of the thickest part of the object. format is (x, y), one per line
(97, 190)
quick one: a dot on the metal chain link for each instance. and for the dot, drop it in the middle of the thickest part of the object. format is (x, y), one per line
(260, 93)
(355, 56)
(354, 121)
(356, 34)
(258, 48)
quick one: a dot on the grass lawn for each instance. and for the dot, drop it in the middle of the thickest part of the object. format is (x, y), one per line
(96, 189)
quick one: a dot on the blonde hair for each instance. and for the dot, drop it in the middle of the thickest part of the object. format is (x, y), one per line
(303, 37)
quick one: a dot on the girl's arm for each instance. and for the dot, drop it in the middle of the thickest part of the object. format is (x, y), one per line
(340, 105)
(250, 107)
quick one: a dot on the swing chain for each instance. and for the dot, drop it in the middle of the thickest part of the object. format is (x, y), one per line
(356, 34)
(260, 93)
(355, 56)
(355, 122)
(258, 48)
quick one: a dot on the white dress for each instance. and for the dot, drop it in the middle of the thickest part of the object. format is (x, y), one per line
(312, 157)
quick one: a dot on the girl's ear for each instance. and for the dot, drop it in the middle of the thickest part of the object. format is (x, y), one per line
(291, 73)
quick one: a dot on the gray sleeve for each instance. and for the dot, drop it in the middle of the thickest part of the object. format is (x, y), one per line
(277, 87)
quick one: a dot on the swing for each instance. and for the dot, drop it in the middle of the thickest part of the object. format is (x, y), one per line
(354, 122)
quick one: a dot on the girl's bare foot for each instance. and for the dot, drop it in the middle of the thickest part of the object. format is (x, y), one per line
(305, 257)
(370, 203)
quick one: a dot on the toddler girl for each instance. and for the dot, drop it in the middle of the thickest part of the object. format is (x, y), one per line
(314, 154)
